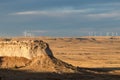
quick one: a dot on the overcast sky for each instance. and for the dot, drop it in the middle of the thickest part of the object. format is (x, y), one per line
(59, 17)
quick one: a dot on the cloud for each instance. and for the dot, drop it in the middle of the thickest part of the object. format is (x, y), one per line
(112, 14)
(54, 12)
(37, 31)
(110, 4)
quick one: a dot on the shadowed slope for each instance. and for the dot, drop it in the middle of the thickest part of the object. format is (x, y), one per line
(8, 74)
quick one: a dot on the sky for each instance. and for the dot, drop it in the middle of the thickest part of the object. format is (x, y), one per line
(59, 17)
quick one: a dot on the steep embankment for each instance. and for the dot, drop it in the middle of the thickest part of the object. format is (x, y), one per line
(25, 48)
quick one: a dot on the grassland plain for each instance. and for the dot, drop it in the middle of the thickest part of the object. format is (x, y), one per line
(97, 58)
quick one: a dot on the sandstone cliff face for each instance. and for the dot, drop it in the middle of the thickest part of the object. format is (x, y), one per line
(31, 55)
(27, 49)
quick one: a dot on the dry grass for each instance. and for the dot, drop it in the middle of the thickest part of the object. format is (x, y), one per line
(97, 57)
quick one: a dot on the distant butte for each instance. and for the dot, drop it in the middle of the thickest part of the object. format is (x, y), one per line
(33, 55)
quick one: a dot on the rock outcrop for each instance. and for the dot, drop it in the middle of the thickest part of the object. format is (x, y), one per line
(27, 49)
(31, 55)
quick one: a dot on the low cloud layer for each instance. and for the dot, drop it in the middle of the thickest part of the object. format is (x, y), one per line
(54, 12)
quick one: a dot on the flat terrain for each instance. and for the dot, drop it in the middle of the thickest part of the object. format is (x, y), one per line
(97, 58)
(94, 52)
